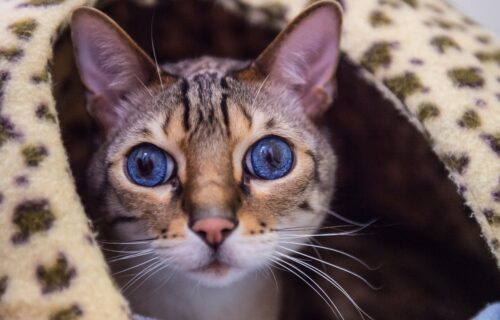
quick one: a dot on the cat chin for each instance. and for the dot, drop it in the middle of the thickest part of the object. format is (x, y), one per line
(217, 276)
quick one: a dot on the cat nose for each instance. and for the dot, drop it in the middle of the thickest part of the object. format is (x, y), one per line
(213, 230)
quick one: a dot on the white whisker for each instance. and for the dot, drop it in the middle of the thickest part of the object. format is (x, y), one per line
(129, 256)
(144, 85)
(333, 266)
(135, 266)
(141, 241)
(258, 91)
(325, 276)
(364, 264)
(268, 268)
(347, 220)
(152, 273)
(164, 281)
(126, 251)
(333, 234)
(314, 228)
(317, 253)
(154, 52)
(344, 233)
(140, 275)
(321, 293)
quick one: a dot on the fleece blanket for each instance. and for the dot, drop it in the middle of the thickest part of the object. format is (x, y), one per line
(438, 68)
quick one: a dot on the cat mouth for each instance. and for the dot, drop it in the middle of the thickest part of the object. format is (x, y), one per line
(215, 267)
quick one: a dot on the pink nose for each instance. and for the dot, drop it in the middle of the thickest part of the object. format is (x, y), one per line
(213, 230)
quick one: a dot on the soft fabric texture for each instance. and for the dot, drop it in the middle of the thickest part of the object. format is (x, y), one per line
(491, 312)
(439, 69)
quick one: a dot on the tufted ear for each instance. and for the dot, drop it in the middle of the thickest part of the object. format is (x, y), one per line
(304, 56)
(110, 64)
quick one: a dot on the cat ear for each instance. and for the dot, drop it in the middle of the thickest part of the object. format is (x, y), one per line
(110, 64)
(305, 55)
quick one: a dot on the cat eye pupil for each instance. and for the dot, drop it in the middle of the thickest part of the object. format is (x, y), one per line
(270, 158)
(149, 166)
(274, 157)
(145, 165)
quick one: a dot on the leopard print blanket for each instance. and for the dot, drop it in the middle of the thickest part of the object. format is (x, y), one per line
(437, 67)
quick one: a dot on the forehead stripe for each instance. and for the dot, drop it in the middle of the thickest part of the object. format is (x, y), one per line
(223, 105)
(186, 103)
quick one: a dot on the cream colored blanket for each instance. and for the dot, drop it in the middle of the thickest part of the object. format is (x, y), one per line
(440, 69)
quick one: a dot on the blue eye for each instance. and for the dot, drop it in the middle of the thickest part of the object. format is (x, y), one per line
(149, 166)
(270, 158)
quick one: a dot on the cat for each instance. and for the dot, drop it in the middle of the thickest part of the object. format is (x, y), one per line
(211, 170)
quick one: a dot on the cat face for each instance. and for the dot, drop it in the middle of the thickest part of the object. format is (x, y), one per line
(219, 163)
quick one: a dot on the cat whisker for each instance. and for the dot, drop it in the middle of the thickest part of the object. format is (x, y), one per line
(332, 234)
(316, 251)
(138, 241)
(311, 284)
(258, 91)
(312, 228)
(364, 264)
(274, 278)
(129, 256)
(268, 271)
(325, 276)
(142, 273)
(154, 51)
(166, 280)
(147, 295)
(144, 85)
(139, 274)
(135, 266)
(126, 251)
(152, 273)
(333, 266)
(347, 220)
(344, 233)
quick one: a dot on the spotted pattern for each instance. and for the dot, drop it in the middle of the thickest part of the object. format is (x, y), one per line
(493, 140)
(470, 120)
(377, 56)
(489, 56)
(4, 77)
(43, 112)
(31, 217)
(427, 111)
(3, 285)
(404, 85)
(41, 3)
(24, 29)
(11, 54)
(412, 3)
(492, 216)
(444, 43)
(456, 163)
(21, 181)
(445, 74)
(7, 130)
(72, 313)
(34, 154)
(379, 18)
(55, 277)
(466, 77)
(42, 76)
(495, 194)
